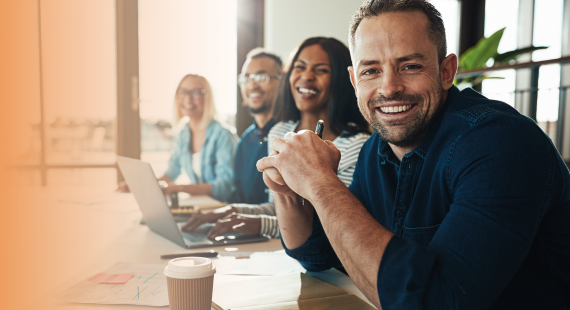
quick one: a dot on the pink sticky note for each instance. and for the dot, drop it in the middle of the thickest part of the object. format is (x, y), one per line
(98, 277)
(119, 278)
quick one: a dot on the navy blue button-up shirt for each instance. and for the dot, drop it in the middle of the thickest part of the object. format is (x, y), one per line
(249, 184)
(480, 213)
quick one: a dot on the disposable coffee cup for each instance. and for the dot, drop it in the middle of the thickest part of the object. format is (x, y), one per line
(190, 281)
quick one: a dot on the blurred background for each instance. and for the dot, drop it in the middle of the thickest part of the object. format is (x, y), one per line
(96, 78)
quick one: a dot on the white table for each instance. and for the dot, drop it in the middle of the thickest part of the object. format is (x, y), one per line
(83, 231)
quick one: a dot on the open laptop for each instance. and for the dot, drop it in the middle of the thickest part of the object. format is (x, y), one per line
(156, 213)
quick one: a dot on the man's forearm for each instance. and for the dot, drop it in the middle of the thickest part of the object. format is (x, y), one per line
(357, 238)
(295, 220)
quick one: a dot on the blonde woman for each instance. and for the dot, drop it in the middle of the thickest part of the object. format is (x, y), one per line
(203, 147)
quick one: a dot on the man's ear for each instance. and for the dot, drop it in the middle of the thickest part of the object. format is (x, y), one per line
(448, 68)
(352, 78)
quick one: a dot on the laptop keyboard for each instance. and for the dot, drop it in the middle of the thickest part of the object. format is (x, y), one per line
(200, 233)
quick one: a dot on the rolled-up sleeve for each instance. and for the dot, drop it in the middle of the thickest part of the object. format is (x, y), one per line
(316, 254)
(223, 184)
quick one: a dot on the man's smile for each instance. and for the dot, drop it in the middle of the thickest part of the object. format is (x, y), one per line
(394, 110)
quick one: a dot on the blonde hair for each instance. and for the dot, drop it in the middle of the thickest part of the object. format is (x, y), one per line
(209, 106)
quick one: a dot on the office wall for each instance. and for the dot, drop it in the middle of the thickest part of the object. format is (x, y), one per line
(289, 22)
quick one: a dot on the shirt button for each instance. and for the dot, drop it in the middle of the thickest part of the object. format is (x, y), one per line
(266, 190)
(399, 213)
(260, 142)
(264, 139)
(409, 166)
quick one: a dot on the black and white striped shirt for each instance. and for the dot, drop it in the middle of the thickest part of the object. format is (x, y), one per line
(349, 146)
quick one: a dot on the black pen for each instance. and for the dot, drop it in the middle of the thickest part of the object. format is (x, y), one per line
(197, 254)
(319, 131)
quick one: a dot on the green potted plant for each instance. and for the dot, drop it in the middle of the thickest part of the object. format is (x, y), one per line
(478, 56)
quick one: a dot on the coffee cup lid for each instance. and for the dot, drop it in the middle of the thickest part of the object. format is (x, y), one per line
(189, 268)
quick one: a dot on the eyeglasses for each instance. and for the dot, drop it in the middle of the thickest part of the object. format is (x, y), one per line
(261, 78)
(194, 93)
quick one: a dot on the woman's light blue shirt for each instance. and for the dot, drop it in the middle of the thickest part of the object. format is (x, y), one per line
(217, 158)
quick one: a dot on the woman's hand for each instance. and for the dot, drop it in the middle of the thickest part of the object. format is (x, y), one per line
(170, 188)
(249, 225)
(199, 219)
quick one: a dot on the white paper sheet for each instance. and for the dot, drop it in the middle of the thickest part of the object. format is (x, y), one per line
(146, 288)
(202, 202)
(259, 263)
(293, 291)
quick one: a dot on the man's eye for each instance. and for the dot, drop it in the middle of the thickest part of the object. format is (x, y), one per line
(369, 72)
(412, 67)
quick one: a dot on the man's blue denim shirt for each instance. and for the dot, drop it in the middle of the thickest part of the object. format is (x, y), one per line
(480, 213)
(249, 185)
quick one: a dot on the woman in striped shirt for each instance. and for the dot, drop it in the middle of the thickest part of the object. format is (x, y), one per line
(316, 87)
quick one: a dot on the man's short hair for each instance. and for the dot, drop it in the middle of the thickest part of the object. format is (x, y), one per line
(435, 27)
(260, 52)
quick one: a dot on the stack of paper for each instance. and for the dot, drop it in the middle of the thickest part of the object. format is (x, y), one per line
(286, 292)
(259, 263)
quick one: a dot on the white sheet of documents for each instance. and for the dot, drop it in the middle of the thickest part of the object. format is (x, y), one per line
(146, 288)
(259, 263)
(202, 202)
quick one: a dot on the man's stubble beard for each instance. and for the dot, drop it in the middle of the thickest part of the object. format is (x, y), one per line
(259, 110)
(415, 130)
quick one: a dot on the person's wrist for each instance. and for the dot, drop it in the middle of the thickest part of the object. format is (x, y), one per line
(322, 190)
(287, 199)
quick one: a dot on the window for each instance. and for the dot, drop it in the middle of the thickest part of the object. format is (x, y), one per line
(79, 81)
(547, 31)
(449, 10)
(76, 64)
(178, 37)
(498, 15)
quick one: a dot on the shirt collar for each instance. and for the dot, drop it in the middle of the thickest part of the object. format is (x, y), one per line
(265, 130)
(385, 151)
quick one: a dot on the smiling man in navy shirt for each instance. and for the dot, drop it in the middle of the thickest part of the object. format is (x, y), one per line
(457, 201)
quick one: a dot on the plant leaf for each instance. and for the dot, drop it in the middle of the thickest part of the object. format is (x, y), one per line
(477, 56)
(507, 57)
